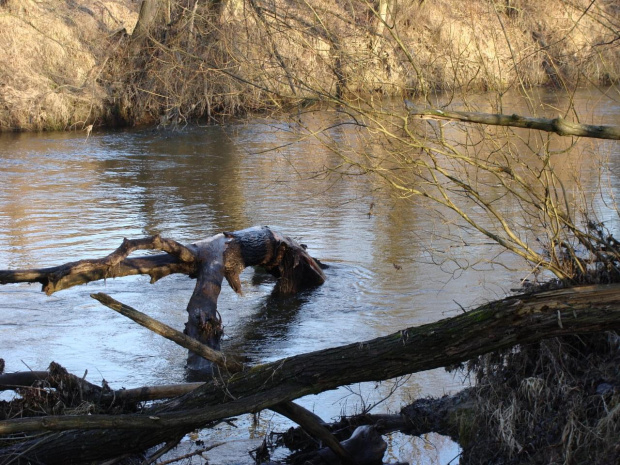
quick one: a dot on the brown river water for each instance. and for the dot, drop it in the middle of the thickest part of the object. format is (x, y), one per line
(64, 197)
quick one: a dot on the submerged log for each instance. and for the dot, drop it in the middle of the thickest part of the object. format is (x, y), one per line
(209, 261)
(498, 325)
(226, 256)
(365, 446)
(449, 416)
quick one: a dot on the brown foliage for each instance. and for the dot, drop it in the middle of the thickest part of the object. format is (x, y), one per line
(556, 401)
(67, 65)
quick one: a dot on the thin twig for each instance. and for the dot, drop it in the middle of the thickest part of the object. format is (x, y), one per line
(192, 454)
(163, 450)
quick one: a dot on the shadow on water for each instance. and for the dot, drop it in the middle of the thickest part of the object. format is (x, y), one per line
(270, 324)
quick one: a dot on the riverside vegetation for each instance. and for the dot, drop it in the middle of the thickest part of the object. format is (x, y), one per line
(170, 63)
(69, 64)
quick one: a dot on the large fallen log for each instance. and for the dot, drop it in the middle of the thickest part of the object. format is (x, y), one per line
(498, 325)
(310, 422)
(209, 261)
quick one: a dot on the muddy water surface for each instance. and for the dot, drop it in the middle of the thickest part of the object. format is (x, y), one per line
(63, 198)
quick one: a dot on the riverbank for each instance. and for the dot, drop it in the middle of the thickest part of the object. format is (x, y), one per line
(67, 65)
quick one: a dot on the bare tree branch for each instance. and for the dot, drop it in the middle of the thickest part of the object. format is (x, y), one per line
(228, 363)
(181, 259)
(304, 418)
(558, 125)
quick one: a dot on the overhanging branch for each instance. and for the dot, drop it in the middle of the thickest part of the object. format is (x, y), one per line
(557, 125)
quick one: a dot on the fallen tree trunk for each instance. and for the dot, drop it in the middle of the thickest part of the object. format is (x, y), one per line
(498, 325)
(209, 261)
(306, 419)
(225, 256)
(557, 125)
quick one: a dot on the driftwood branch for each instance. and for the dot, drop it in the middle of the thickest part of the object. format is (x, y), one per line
(230, 364)
(495, 326)
(365, 447)
(314, 426)
(209, 261)
(56, 375)
(449, 416)
(557, 125)
(10, 381)
(180, 259)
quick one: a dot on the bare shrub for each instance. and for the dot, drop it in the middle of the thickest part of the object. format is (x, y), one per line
(552, 402)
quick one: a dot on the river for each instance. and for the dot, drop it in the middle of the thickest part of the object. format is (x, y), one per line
(65, 197)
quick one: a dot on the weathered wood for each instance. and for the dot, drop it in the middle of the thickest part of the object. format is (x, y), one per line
(225, 256)
(315, 427)
(449, 416)
(10, 381)
(230, 364)
(278, 254)
(156, 266)
(498, 325)
(295, 440)
(146, 393)
(203, 322)
(557, 125)
(180, 259)
(25, 379)
(365, 447)
(210, 261)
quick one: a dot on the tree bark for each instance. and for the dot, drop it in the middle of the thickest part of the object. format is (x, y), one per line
(152, 14)
(225, 256)
(25, 379)
(449, 416)
(365, 447)
(495, 326)
(230, 364)
(383, 14)
(557, 125)
(179, 259)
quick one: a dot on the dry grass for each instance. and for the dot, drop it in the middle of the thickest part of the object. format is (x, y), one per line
(553, 402)
(51, 56)
(63, 66)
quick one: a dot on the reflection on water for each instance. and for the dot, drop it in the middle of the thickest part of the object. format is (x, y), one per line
(64, 198)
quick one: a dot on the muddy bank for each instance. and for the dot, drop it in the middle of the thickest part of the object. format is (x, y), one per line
(66, 65)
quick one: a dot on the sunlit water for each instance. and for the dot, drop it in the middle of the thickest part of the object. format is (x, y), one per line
(64, 197)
